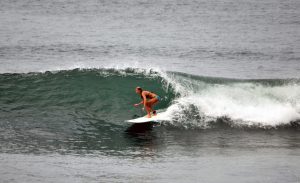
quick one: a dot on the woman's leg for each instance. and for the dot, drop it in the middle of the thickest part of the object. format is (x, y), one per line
(148, 109)
(149, 105)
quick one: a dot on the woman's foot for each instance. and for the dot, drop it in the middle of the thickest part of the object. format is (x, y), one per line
(154, 113)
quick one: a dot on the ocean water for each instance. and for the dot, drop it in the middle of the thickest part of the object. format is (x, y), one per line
(228, 73)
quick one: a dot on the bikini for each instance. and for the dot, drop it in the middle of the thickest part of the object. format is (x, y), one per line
(148, 96)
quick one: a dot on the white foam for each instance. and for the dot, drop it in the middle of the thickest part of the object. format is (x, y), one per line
(243, 103)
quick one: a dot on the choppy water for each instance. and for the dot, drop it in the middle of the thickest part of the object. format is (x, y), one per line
(227, 71)
(248, 39)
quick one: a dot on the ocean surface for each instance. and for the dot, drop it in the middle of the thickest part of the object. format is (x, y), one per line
(228, 73)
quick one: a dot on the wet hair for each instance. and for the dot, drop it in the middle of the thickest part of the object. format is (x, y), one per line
(139, 88)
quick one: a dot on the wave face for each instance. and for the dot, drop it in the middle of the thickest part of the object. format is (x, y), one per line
(108, 95)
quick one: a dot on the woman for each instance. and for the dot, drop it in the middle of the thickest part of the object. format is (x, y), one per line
(149, 99)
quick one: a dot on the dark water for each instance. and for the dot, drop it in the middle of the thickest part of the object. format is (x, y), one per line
(227, 71)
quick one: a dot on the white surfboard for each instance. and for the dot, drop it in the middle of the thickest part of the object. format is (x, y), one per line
(156, 119)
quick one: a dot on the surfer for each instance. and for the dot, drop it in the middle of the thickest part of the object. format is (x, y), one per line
(152, 99)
